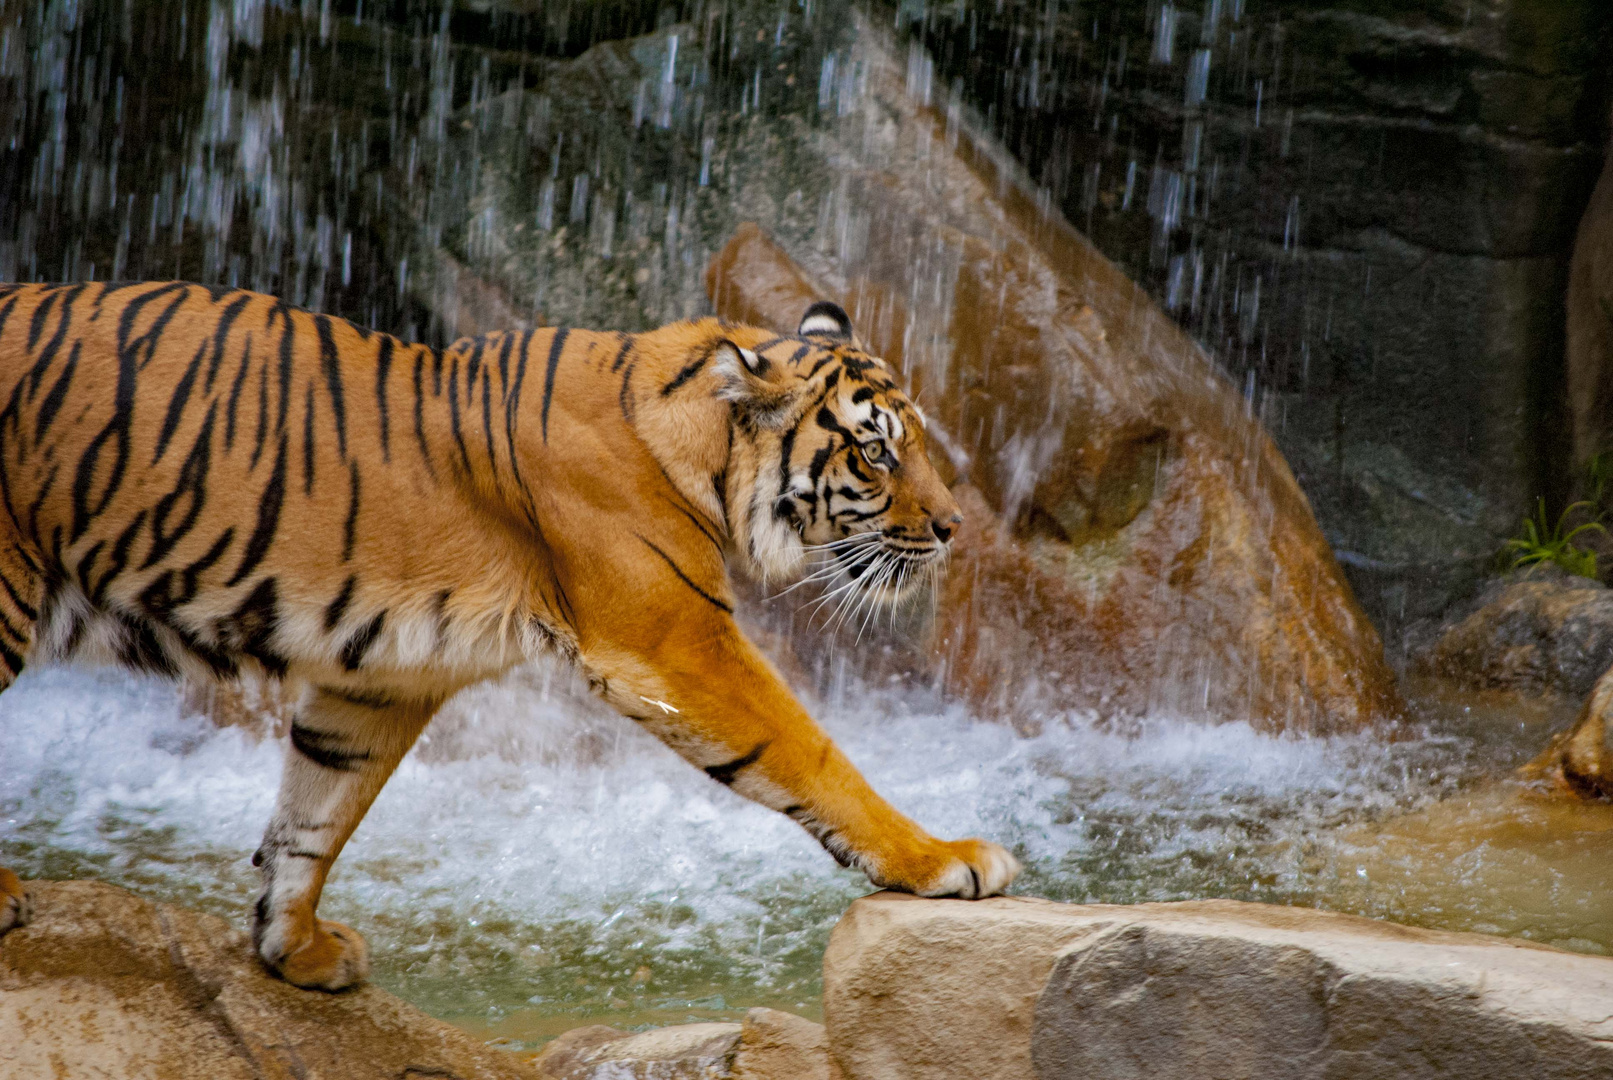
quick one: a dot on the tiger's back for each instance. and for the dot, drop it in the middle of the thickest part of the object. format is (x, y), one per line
(206, 478)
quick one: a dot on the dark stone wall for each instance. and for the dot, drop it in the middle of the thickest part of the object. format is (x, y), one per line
(1365, 208)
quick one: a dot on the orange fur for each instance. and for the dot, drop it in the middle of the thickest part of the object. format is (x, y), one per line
(197, 481)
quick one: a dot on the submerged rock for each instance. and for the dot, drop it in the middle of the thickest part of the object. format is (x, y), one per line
(104, 983)
(769, 1045)
(1012, 988)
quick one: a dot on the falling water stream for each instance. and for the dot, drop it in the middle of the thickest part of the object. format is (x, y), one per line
(536, 861)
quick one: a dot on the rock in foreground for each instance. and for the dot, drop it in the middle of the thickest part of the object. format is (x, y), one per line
(105, 984)
(769, 1045)
(1015, 988)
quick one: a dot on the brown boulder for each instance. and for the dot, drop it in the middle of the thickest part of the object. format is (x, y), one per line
(106, 984)
(1134, 539)
(1539, 630)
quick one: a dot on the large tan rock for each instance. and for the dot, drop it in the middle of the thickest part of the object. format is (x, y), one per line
(106, 984)
(1011, 989)
(1135, 541)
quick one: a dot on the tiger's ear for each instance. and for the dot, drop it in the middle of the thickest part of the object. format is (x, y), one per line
(825, 318)
(766, 392)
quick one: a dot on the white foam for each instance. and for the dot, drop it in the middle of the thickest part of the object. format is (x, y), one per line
(528, 807)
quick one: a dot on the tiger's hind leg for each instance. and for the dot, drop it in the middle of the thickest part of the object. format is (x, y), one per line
(20, 596)
(343, 748)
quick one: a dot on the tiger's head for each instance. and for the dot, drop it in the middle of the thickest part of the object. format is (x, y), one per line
(837, 486)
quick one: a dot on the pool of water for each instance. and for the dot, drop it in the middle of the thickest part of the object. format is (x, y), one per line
(538, 863)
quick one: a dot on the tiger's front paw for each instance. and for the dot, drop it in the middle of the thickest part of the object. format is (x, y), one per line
(16, 902)
(333, 957)
(967, 869)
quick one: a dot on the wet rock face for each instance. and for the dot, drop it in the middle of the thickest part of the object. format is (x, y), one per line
(1365, 209)
(1529, 632)
(1016, 988)
(1590, 324)
(104, 983)
(1115, 492)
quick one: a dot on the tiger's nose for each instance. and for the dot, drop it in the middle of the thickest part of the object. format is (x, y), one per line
(943, 529)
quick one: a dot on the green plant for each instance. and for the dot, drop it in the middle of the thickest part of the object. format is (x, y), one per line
(1542, 542)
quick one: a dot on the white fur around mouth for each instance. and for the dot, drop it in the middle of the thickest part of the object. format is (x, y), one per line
(861, 574)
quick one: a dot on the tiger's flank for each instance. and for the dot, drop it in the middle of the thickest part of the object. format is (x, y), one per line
(200, 481)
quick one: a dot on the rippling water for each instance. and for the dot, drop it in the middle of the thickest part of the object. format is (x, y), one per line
(537, 861)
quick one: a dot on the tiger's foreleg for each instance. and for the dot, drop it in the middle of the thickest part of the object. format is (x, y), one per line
(719, 704)
(343, 748)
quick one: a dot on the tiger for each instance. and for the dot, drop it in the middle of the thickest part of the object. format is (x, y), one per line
(207, 482)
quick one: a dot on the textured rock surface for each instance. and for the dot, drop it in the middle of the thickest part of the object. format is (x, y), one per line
(1264, 993)
(1529, 632)
(1116, 490)
(1013, 988)
(1580, 758)
(769, 1045)
(105, 984)
(1590, 324)
(1364, 208)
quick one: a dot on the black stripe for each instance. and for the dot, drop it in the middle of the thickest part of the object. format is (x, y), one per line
(350, 526)
(36, 325)
(419, 413)
(704, 595)
(689, 371)
(225, 321)
(262, 434)
(624, 397)
(177, 402)
(308, 443)
(324, 749)
(57, 394)
(453, 413)
(193, 483)
(48, 354)
(474, 364)
(331, 364)
(117, 429)
(235, 392)
(628, 341)
(487, 409)
(11, 659)
(362, 698)
(287, 338)
(119, 559)
(17, 601)
(338, 606)
(274, 495)
(383, 368)
(558, 343)
(359, 644)
(512, 403)
(727, 773)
